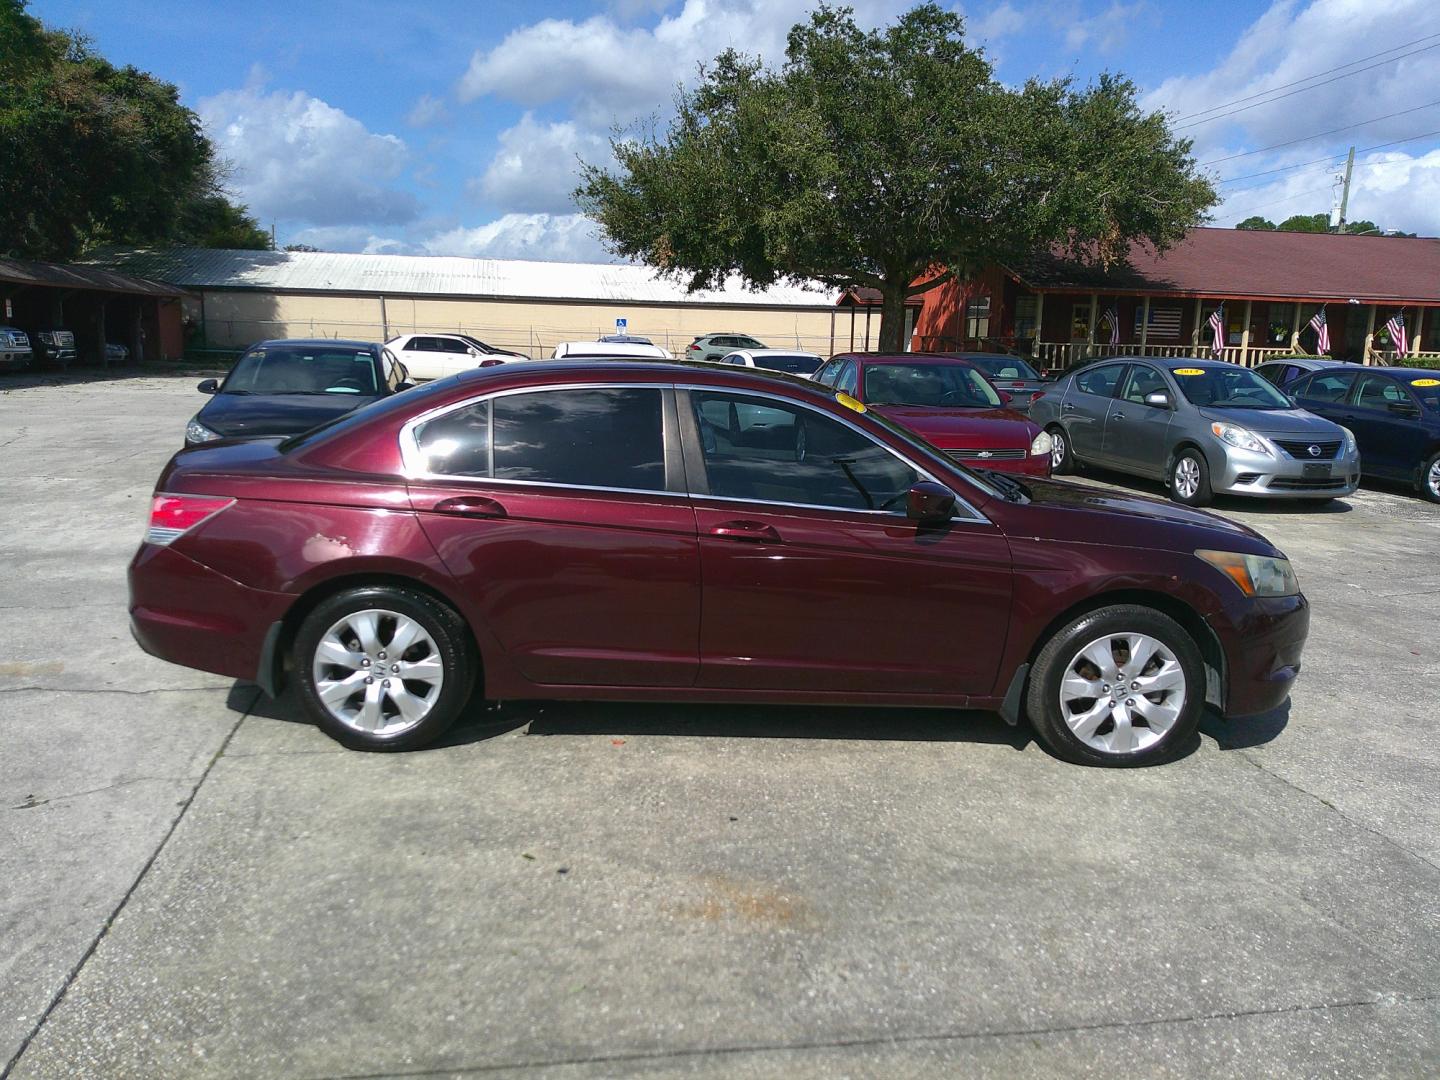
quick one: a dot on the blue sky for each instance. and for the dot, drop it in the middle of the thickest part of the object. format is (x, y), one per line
(452, 127)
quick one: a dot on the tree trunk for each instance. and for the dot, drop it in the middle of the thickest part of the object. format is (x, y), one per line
(892, 317)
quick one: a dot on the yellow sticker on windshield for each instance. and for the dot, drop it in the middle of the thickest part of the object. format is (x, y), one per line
(1426, 382)
(849, 402)
(1188, 371)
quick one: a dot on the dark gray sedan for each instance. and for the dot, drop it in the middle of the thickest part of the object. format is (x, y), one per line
(1201, 426)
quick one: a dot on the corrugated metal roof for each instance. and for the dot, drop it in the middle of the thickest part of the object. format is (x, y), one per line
(69, 276)
(1225, 263)
(438, 275)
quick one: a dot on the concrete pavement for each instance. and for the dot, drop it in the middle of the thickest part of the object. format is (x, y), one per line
(192, 883)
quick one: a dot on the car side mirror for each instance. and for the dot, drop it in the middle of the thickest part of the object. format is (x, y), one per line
(400, 388)
(928, 501)
(1404, 408)
(1158, 399)
(473, 351)
(1005, 398)
(208, 386)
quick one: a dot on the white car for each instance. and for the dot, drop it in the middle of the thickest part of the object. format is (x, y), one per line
(433, 356)
(790, 361)
(609, 350)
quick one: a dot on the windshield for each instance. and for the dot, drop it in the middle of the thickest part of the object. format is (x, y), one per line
(1229, 387)
(1005, 367)
(941, 386)
(310, 370)
(795, 365)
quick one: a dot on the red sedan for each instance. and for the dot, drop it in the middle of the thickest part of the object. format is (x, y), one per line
(667, 532)
(949, 401)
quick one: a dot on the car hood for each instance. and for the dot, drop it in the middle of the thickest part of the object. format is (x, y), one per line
(1275, 421)
(964, 429)
(252, 415)
(1080, 513)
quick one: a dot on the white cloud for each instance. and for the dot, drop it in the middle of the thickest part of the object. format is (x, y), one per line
(296, 158)
(1105, 32)
(1394, 190)
(551, 237)
(427, 110)
(998, 22)
(537, 166)
(1293, 41)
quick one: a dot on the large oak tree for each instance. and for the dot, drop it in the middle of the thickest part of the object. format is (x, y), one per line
(891, 159)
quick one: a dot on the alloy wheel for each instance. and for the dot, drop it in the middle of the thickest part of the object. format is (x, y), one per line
(378, 672)
(1187, 477)
(1057, 450)
(1432, 479)
(1122, 693)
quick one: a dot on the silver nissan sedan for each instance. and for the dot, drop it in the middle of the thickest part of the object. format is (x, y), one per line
(1204, 427)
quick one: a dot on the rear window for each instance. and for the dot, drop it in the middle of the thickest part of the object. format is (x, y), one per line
(303, 370)
(795, 365)
(1005, 367)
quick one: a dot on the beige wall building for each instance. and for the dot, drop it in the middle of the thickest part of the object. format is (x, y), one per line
(238, 297)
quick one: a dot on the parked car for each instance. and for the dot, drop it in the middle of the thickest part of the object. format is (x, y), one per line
(946, 400)
(115, 353)
(609, 350)
(1287, 369)
(714, 346)
(1204, 427)
(627, 339)
(787, 360)
(542, 528)
(288, 386)
(1013, 374)
(433, 356)
(15, 351)
(53, 348)
(1394, 412)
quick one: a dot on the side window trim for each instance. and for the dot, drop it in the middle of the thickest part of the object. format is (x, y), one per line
(699, 483)
(413, 460)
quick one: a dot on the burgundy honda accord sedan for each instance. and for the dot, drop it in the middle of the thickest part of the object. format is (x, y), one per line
(947, 400)
(664, 532)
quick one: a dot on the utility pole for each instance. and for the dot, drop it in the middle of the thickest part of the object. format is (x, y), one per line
(1345, 191)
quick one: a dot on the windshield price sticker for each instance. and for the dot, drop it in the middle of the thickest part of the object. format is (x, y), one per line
(1188, 371)
(849, 402)
(1426, 382)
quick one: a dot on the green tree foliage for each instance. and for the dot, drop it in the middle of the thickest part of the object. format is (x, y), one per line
(1315, 223)
(1256, 224)
(878, 159)
(94, 154)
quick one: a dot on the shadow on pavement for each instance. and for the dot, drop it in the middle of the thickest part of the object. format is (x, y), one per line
(79, 376)
(1139, 485)
(1245, 731)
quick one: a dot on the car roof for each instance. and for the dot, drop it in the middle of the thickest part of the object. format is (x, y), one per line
(332, 343)
(1405, 372)
(611, 348)
(902, 358)
(774, 352)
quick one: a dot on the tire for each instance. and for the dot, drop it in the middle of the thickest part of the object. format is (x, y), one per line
(1088, 730)
(1062, 457)
(1189, 478)
(1430, 479)
(394, 713)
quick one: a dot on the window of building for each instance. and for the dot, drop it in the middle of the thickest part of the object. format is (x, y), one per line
(1026, 310)
(977, 317)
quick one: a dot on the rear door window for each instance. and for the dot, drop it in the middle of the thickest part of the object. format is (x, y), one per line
(1326, 386)
(1099, 381)
(601, 437)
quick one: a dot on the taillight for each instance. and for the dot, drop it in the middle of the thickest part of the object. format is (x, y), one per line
(172, 516)
(696, 348)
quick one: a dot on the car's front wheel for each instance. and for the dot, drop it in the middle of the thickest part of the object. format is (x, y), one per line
(383, 668)
(1118, 686)
(1190, 478)
(1062, 458)
(1430, 478)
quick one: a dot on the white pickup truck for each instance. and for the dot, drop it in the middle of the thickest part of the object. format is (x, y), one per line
(15, 350)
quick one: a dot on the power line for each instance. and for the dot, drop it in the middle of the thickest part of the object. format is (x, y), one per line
(1320, 134)
(1303, 89)
(1307, 78)
(1274, 202)
(1332, 157)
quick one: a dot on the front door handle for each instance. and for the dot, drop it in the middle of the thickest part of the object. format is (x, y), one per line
(1118, 416)
(755, 532)
(470, 506)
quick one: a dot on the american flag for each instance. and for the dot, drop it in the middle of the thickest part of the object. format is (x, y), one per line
(1113, 318)
(1396, 327)
(1217, 327)
(1322, 332)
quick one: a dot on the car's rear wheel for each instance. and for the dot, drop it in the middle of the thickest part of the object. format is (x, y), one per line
(1119, 686)
(383, 668)
(1190, 478)
(1062, 458)
(1430, 479)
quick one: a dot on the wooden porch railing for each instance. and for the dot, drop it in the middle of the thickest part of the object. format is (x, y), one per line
(1053, 355)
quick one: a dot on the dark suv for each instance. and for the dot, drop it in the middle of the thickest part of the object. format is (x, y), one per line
(53, 348)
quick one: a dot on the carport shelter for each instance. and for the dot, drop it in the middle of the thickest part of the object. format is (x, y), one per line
(95, 305)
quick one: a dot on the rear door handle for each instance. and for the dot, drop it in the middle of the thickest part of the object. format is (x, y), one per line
(1118, 416)
(755, 532)
(1067, 407)
(470, 506)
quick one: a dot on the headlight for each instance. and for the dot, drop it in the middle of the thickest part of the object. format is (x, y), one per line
(1043, 444)
(1239, 437)
(196, 432)
(1350, 445)
(1255, 575)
